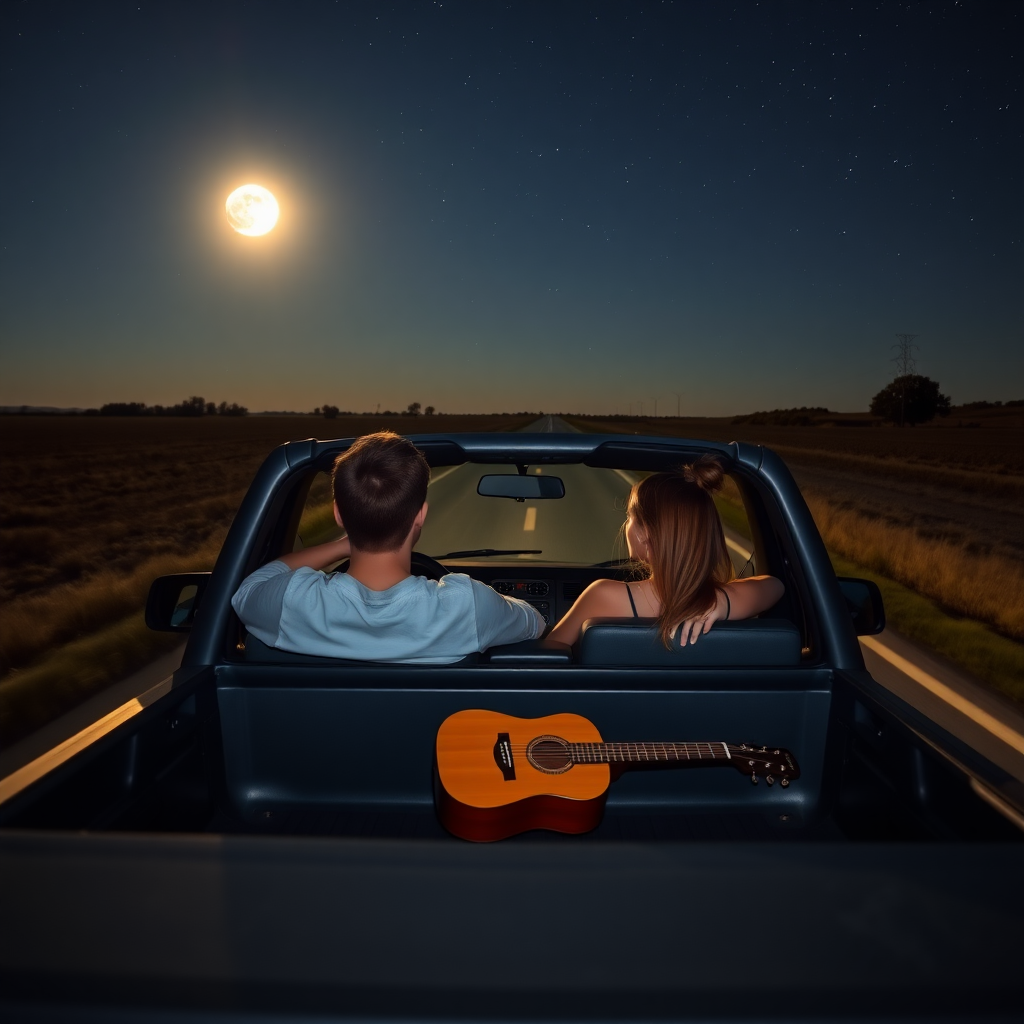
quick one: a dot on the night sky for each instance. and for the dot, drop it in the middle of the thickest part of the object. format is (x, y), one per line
(526, 206)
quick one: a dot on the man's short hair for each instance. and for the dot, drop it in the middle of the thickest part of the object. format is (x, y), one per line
(380, 484)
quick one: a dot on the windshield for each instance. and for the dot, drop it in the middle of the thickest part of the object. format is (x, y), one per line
(582, 528)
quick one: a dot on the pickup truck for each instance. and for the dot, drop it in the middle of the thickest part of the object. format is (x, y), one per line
(258, 838)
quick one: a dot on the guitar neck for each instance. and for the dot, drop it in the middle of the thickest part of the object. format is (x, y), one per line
(608, 753)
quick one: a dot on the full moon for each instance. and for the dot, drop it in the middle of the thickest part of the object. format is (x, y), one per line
(252, 210)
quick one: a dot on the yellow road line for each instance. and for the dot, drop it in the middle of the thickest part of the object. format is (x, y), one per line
(1009, 736)
(530, 522)
(440, 474)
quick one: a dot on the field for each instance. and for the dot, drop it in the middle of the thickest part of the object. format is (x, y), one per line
(961, 484)
(93, 508)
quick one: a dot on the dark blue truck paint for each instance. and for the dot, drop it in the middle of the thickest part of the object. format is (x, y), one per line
(239, 849)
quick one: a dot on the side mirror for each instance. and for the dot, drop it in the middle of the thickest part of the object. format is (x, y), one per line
(173, 601)
(864, 602)
(521, 488)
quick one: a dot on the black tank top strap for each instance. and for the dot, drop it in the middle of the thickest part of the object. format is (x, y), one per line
(632, 603)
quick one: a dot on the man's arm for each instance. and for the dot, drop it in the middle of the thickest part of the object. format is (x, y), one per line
(259, 600)
(504, 620)
(319, 556)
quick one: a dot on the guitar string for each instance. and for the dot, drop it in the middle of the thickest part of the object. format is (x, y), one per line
(694, 747)
(732, 749)
(764, 757)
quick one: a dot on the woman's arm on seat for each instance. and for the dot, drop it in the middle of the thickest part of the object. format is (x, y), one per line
(738, 599)
(753, 595)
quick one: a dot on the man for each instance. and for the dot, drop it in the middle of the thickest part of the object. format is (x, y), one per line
(378, 611)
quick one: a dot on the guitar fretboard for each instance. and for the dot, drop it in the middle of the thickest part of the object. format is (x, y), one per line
(605, 753)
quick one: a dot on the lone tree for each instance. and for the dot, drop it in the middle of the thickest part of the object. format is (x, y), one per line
(910, 399)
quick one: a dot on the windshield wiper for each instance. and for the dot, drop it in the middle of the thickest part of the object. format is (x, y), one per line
(487, 552)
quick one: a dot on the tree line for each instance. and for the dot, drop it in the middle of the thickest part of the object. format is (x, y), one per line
(332, 412)
(194, 406)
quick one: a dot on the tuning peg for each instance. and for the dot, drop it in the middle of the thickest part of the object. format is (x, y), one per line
(770, 780)
(754, 779)
(784, 783)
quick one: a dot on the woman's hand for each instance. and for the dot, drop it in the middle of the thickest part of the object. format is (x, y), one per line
(738, 599)
(693, 628)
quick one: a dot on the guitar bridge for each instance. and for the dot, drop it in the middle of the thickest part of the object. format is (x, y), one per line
(503, 757)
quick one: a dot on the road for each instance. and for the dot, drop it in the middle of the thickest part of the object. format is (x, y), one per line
(585, 527)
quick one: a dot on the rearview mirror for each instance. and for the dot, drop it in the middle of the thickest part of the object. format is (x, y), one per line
(520, 487)
(864, 602)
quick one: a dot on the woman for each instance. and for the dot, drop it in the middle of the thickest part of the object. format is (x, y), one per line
(673, 530)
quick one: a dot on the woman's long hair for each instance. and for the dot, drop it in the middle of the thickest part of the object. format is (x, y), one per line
(687, 554)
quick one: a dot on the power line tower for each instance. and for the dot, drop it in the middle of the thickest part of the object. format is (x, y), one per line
(905, 364)
(904, 360)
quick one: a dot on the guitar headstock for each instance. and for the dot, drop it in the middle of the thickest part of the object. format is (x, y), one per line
(773, 764)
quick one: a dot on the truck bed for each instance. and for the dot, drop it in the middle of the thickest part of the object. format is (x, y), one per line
(132, 927)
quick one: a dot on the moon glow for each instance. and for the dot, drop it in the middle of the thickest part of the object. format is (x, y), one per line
(252, 210)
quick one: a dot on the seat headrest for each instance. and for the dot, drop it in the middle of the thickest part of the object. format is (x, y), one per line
(749, 642)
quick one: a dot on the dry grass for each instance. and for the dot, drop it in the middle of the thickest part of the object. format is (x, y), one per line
(965, 642)
(41, 621)
(93, 509)
(981, 586)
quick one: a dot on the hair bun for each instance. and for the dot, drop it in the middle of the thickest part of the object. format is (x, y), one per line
(707, 473)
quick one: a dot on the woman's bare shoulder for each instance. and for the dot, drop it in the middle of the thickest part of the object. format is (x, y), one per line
(609, 593)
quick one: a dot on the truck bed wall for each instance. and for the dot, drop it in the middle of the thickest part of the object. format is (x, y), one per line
(300, 736)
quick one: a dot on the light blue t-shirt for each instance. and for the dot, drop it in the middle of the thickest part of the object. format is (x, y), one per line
(417, 621)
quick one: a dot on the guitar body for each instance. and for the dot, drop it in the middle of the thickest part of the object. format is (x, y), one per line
(489, 786)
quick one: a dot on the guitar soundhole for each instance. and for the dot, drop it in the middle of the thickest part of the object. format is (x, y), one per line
(549, 754)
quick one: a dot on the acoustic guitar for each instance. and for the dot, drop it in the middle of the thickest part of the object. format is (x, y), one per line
(498, 775)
